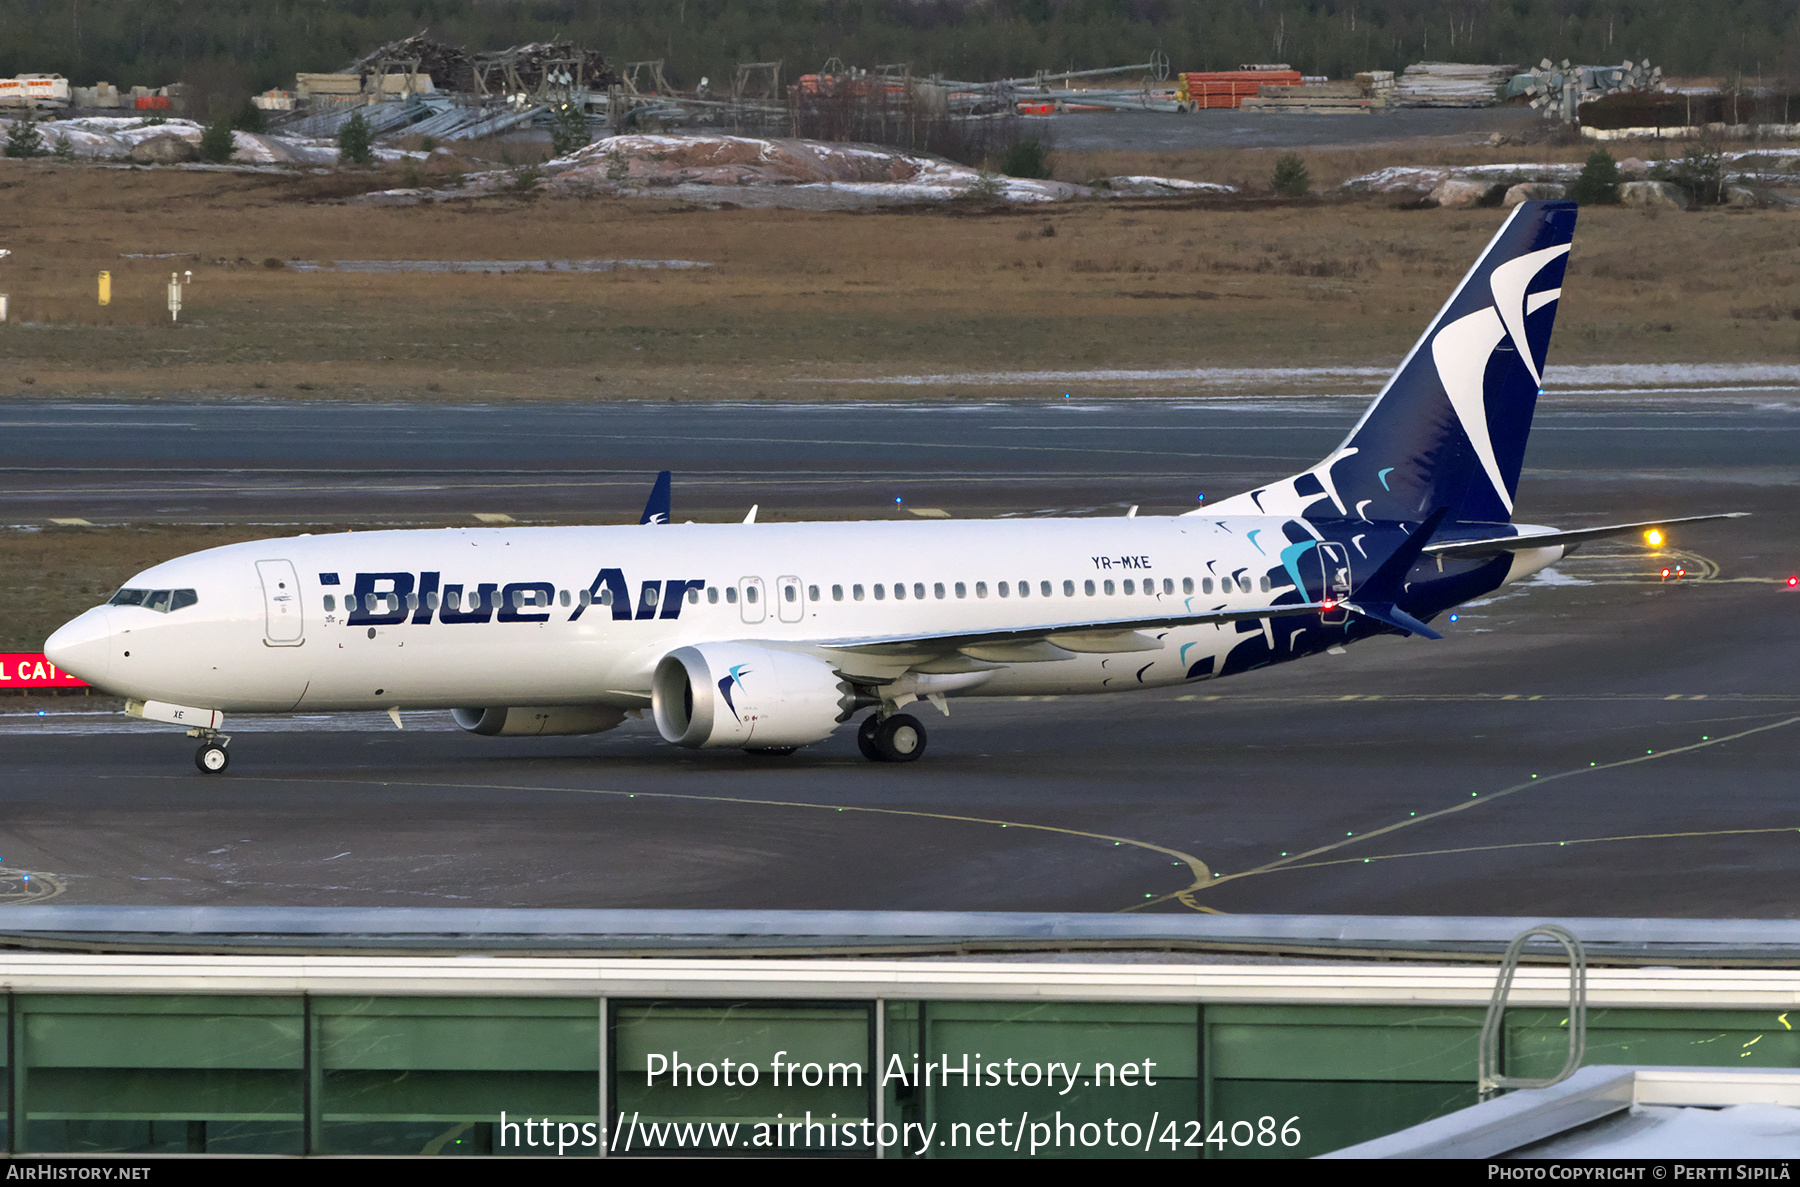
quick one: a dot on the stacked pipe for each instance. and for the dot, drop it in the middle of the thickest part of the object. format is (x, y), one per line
(1202, 90)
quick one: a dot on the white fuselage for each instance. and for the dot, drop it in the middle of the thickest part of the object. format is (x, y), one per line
(249, 644)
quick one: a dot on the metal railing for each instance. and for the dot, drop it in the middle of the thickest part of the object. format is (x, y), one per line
(1489, 1081)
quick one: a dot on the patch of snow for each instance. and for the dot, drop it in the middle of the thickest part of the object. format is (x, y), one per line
(1552, 577)
(1668, 1131)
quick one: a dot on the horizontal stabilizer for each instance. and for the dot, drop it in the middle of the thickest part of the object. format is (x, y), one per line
(1392, 615)
(1498, 544)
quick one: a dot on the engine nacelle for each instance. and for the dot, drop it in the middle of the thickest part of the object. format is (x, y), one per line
(754, 698)
(538, 721)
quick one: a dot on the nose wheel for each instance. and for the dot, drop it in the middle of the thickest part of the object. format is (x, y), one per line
(899, 738)
(211, 758)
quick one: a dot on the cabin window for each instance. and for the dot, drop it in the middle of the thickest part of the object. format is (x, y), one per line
(412, 601)
(1069, 588)
(1088, 587)
(731, 594)
(937, 590)
(1044, 588)
(1130, 586)
(1265, 585)
(1187, 585)
(837, 593)
(712, 594)
(980, 589)
(1002, 589)
(899, 591)
(431, 600)
(330, 603)
(1169, 584)
(856, 591)
(880, 591)
(919, 590)
(563, 597)
(693, 595)
(452, 600)
(1108, 587)
(812, 593)
(791, 593)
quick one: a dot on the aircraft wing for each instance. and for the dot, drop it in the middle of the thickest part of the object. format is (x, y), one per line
(1496, 544)
(1103, 635)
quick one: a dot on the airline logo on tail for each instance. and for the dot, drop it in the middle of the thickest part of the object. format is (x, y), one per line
(1463, 350)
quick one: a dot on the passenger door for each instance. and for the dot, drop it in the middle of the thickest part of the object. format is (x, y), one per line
(284, 622)
(750, 599)
(1334, 564)
(791, 599)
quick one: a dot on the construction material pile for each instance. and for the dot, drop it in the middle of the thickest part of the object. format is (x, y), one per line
(1204, 90)
(1558, 91)
(1450, 84)
(530, 67)
(452, 68)
(546, 63)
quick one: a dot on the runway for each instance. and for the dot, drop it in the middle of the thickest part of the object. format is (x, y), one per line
(1596, 742)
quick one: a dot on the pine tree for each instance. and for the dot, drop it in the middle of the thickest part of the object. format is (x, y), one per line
(216, 142)
(354, 141)
(1291, 179)
(1598, 184)
(24, 140)
(569, 129)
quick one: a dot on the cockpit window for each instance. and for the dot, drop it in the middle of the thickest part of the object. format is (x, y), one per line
(160, 600)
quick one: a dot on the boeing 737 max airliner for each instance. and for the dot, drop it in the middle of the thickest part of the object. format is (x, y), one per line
(766, 637)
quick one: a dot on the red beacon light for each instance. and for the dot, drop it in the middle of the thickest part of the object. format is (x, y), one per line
(1793, 582)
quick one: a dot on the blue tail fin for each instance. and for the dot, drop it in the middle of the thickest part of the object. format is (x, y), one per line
(1449, 428)
(658, 508)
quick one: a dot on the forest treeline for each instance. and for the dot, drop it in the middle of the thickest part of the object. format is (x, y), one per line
(227, 47)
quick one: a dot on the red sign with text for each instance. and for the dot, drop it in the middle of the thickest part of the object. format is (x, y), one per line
(29, 669)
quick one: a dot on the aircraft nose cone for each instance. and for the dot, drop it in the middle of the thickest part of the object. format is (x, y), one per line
(82, 647)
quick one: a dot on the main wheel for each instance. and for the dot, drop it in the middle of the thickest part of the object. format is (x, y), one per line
(865, 738)
(212, 758)
(900, 738)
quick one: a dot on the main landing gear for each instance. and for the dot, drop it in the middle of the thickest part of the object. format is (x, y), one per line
(897, 738)
(211, 758)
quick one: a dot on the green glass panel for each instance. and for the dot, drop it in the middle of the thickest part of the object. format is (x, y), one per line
(163, 1137)
(458, 1095)
(1537, 1042)
(1328, 1116)
(790, 1065)
(162, 1094)
(96, 1040)
(1085, 1033)
(754, 1034)
(432, 1044)
(1050, 1075)
(1355, 1044)
(212, 1006)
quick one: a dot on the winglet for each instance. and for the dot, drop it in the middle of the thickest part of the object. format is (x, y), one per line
(657, 510)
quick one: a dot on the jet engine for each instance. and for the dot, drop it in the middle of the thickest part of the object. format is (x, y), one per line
(538, 721)
(750, 697)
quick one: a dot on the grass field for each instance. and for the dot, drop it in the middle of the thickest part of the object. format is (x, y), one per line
(795, 300)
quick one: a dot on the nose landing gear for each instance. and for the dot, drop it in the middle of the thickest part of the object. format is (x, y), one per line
(211, 758)
(897, 738)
